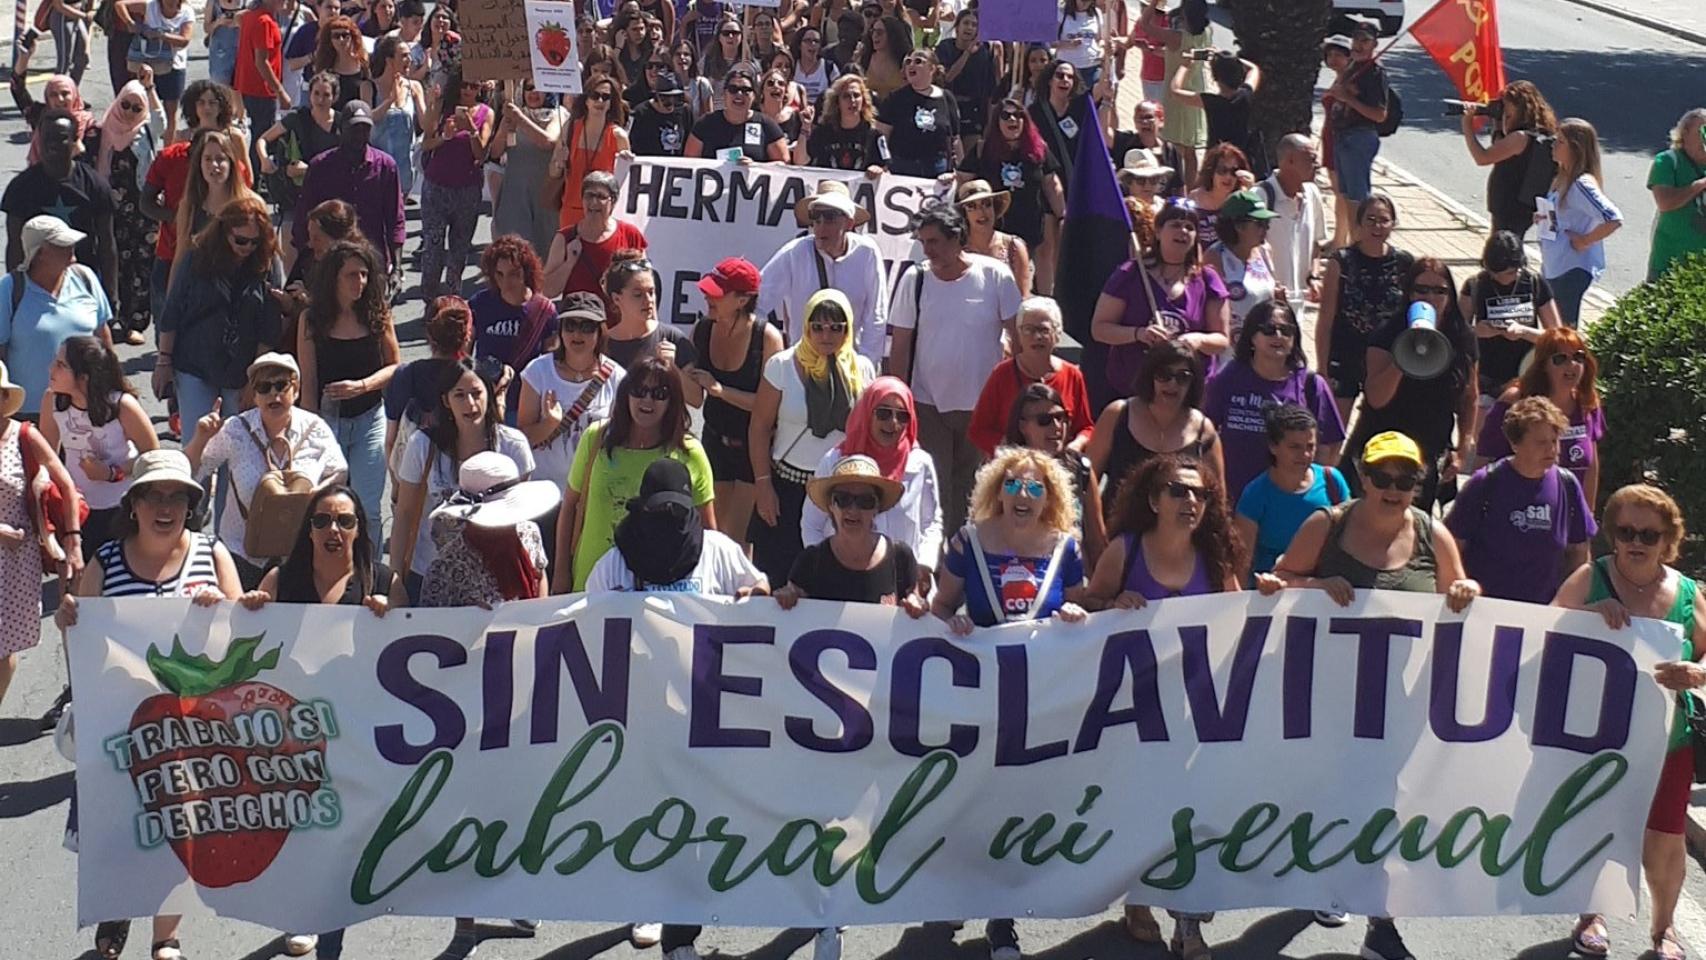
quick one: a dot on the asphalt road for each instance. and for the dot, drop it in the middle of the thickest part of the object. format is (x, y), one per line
(1630, 81)
(1545, 39)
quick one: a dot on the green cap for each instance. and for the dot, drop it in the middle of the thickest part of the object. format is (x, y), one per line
(1246, 205)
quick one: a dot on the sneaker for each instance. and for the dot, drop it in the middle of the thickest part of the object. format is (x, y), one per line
(50, 719)
(299, 944)
(643, 935)
(683, 952)
(1331, 919)
(827, 944)
(1188, 942)
(529, 927)
(1003, 937)
(1382, 942)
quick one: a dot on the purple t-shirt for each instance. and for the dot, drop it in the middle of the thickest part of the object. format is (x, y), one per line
(1236, 397)
(1513, 530)
(1187, 314)
(1577, 448)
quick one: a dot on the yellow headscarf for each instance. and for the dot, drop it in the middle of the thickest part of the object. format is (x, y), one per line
(815, 364)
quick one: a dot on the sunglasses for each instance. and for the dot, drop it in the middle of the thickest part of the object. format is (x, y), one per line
(1046, 420)
(1429, 290)
(828, 326)
(656, 66)
(872, 14)
(729, 33)
(599, 97)
(658, 392)
(244, 241)
(580, 326)
(1015, 486)
(848, 501)
(826, 216)
(130, 106)
(1180, 490)
(1580, 356)
(1648, 538)
(1276, 330)
(340, 35)
(915, 61)
(160, 499)
(1012, 115)
(891, 415)
(345, 521)
(1175, 376)
(1402, 482)
(266, 388)
(735, 91)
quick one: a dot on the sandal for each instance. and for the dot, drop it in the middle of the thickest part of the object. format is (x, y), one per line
(1667, 947)
(168, 949)
(1589, 938)
(1141, 925)
(110, 937)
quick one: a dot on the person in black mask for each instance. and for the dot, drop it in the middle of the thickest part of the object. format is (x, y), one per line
(662, 545)
(74, 192)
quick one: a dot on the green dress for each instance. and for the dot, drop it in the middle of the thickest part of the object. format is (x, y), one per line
(1681, 612)
(1676, 233)
(1186, 125)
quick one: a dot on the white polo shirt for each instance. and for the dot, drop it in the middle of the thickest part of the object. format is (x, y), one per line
(1293, 235)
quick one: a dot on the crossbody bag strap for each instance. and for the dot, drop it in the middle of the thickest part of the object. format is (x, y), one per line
(1050, 577)
(600, 376)
(982, 563)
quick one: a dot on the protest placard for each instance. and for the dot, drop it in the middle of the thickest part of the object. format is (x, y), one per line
(495, 43)
(551, 46)
(686, 759)
(1027, 21)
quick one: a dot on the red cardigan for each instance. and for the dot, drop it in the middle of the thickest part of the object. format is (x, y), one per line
(995, 404)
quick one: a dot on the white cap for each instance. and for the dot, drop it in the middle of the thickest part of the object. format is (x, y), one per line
(275, 359)
(47, 229)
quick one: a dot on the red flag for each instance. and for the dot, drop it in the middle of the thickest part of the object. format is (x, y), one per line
(1463, 38)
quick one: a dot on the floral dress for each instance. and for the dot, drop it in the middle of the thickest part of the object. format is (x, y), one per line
(133, 234)
(458, 576)
(20, 561)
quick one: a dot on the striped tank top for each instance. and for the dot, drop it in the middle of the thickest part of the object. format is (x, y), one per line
(197, 571)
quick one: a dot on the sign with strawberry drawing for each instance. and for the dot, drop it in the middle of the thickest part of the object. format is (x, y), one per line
(556, 64)
(701, 760)
(226, 766)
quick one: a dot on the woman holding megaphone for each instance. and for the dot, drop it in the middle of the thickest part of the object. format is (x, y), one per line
(1422, 380)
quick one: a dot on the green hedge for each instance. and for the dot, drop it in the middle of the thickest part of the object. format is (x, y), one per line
(1652, 378)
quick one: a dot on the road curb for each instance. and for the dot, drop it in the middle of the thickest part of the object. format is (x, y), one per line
(1651, 23)
(1469, 218)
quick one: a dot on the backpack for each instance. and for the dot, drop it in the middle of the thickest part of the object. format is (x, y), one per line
(277, 506)
(1538, 169)
(1394, 113)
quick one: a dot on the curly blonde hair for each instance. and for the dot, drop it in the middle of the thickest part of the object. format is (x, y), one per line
(837, 90)
(1058, 503)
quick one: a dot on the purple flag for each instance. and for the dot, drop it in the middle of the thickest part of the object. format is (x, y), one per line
(1028, 21)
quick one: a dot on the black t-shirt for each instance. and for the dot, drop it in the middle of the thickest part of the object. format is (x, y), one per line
(822, 577)
(1024, 180)
(1423, 410)
(834, 146)
(1228, 117)
(80, 200)
(625, 352)
(1368, 80)
(1126, 141)
(1515, 305)
(924, 128)
(753, 137)
(1505, 199)
(655, 133)
(973, 87)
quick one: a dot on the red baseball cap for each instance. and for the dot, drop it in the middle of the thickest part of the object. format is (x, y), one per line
(733, 275)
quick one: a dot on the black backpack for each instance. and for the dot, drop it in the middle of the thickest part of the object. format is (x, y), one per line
(1538, 169)
(1394, 113)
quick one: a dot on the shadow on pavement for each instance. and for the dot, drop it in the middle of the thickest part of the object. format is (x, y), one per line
(22, 798)
(586, 947)
(16, 730)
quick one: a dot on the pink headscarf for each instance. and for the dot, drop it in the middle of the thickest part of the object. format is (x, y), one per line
(859, 439)
(80, 114)
(118, 128)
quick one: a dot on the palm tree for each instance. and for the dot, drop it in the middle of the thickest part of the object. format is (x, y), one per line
(1283, 37)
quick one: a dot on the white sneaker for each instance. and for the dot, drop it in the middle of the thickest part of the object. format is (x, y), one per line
(644, 935)
(1331, 918)
(299, 944)
(683, 952)
(827, 944)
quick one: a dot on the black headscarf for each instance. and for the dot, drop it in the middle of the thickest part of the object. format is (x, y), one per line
(661, 537)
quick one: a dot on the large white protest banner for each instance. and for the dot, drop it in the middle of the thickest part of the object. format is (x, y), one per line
(684, 759)
(696, 212)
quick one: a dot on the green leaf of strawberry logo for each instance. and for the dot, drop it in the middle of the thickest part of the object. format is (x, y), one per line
(194, 676)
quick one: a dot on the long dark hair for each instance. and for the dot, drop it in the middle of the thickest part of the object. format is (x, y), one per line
(89, 357)
(1270, 311)
(374, 306)
(1170, 353)
(900, 42)
(648, 371)
(296, 574)
(1451, 323)
(1215, 538)
(996, 149)
(442, 430)
(1033, 393)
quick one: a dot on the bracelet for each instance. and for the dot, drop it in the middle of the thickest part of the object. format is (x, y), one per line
(68, 534)
(762, 476)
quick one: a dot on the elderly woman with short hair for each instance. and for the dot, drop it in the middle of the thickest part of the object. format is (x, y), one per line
(1033, 361)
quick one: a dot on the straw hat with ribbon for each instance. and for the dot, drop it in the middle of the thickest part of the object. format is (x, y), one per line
(856, 470)
(832, 195)
(982, 190)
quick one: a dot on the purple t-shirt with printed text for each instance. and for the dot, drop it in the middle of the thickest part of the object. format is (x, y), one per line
(1236, 398)
(1513, 530)
(1187, 314)
(1577, 448)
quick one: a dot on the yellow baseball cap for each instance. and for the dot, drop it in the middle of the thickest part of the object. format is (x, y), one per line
(1392, 445)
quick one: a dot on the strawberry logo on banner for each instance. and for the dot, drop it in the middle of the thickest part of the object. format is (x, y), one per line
(1463, 38)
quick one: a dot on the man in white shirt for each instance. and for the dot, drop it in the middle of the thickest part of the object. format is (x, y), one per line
(972, 302)
(832, 255)
(1297, 236)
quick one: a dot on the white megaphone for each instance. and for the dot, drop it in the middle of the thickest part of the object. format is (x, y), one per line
(1422, 352)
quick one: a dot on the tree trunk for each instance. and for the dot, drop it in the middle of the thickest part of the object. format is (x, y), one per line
(1283, 37)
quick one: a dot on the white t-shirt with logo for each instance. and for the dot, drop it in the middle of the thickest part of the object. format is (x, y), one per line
(960, 342)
